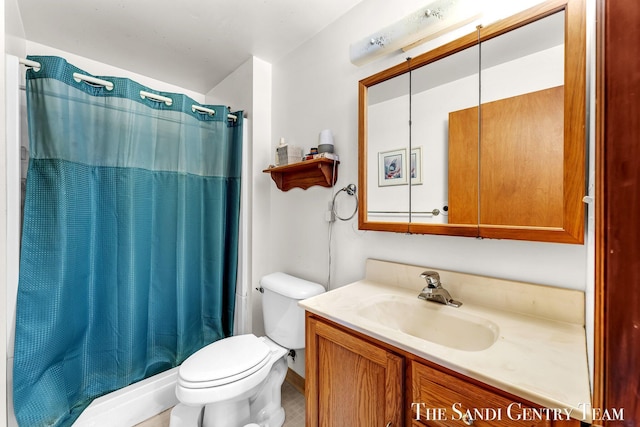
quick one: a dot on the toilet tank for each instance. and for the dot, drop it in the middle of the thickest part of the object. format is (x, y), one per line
(283, 318)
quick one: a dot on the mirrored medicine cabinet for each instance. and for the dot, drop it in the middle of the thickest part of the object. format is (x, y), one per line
(481, 137)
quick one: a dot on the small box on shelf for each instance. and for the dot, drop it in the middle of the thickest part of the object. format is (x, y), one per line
(287, 154)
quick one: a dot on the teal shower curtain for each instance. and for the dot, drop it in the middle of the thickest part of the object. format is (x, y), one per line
(129, 248)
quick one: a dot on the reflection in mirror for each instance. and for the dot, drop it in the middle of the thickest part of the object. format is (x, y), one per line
(437, 88)
(519, 164)
(522, 126)
(387, 144)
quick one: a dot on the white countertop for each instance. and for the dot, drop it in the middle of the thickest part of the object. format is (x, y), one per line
(540, 359)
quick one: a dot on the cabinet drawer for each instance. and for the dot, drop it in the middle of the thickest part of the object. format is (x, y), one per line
(444, 400)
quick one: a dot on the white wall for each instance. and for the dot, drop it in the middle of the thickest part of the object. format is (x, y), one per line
(315, 88)
(14, 43)
(3, 223)
(249, 88)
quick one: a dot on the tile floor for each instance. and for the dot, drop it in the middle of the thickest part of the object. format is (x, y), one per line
(292, 402)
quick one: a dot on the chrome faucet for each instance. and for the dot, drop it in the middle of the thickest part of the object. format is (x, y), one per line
(434, 290)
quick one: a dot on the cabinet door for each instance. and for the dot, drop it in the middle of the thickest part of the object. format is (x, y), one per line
(444, 400)
(349, 381)
(521, 161)
(520, 192)
(531, 133)
(463, 166)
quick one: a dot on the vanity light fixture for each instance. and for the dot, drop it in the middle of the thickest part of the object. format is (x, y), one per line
(422, 25)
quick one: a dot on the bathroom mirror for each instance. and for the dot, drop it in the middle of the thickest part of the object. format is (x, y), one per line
(472, 160)
(442, 86)
(388, 130)
(522, 127)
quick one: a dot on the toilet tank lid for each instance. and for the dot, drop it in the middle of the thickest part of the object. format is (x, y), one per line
(290, 286)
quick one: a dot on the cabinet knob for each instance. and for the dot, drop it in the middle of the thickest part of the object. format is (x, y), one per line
(466, 418)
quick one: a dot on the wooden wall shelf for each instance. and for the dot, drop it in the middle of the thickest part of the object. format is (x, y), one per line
(305, 174)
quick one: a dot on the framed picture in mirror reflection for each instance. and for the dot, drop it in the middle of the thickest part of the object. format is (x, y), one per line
(416, 166)
(393, 170)
(392, 167)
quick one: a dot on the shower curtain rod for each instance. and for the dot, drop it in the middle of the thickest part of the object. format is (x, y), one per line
(109, 86)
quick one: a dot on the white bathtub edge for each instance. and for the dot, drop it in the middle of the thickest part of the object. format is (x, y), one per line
(133, 404)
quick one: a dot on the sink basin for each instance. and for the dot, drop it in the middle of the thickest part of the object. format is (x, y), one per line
(432, 322)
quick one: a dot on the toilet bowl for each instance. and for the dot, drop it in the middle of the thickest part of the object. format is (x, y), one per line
(226, 381)
(236, 381)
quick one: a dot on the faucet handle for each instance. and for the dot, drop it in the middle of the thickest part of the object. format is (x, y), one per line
(432, 278)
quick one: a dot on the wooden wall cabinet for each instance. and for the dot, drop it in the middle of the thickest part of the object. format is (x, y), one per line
(355, 380)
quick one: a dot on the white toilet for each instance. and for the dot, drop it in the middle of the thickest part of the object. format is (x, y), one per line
(236, 381)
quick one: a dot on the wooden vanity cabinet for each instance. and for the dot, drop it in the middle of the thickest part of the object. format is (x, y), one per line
(464, 402)
(350, 381)
(355, 380)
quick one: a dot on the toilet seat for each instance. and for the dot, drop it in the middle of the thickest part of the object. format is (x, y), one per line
(224, 361)
(204, 391)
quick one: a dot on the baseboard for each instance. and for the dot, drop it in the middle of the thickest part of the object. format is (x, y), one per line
(295, 380)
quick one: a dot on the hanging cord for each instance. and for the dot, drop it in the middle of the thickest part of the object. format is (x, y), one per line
(331, 221)
(329, 273)
(333, 214)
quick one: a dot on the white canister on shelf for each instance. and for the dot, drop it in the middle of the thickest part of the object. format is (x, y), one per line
(325, 141)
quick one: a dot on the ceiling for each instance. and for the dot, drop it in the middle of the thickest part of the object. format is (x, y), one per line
(193, 44)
